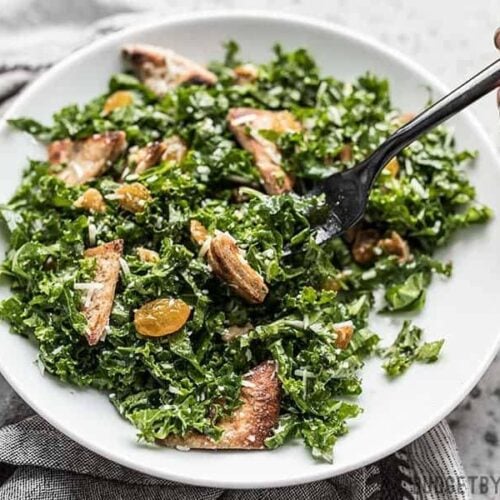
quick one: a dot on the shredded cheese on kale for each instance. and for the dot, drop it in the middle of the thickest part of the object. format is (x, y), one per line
(190, 379)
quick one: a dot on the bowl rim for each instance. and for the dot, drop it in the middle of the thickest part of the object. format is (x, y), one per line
(396, 57)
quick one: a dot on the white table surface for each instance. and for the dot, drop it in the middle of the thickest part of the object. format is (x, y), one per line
(453, 39)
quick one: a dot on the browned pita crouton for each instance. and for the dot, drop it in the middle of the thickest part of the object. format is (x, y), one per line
(226, 261)
(60, 152)
(171, 149)
(245, 124)
(140, 159)
(162, 69)
(99, 302)
(251, 424)
(86, 159)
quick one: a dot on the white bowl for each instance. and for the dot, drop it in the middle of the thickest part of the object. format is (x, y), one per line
(464, 310)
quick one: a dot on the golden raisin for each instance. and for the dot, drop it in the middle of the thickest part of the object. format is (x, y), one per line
(118, 99)
(91, 200)
(246, 73)
(161, 317)
(343, 333)
(392, 167)
(146, 255)
(133, 197)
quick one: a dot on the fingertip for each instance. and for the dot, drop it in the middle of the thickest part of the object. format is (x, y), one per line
(497, 38)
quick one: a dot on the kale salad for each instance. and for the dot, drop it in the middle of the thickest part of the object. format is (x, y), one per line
(147, 253)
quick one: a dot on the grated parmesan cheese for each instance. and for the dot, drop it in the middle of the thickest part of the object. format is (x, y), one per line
(113, 197)
(205, 247)
(41, 366)
(92, 234)
(124, 266)
(418, 189)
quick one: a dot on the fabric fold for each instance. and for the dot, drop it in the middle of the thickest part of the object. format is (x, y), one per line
(48, 464)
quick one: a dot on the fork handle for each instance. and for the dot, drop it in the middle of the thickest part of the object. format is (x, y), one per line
(479, 85)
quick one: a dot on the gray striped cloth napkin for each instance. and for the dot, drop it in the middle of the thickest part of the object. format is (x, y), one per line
(37, 461)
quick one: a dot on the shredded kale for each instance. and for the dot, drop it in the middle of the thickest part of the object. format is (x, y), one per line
(408, 348)
(191, 379)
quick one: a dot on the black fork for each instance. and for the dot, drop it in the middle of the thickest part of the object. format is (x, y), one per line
(347, 192)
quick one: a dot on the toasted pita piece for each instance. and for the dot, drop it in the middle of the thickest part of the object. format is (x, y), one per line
(60, 151)
(97, 307)
(245, 124)
(162, 69)
(86, 159)
(171, 149)
(140, 159)
(227, 262)
(249, 426)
